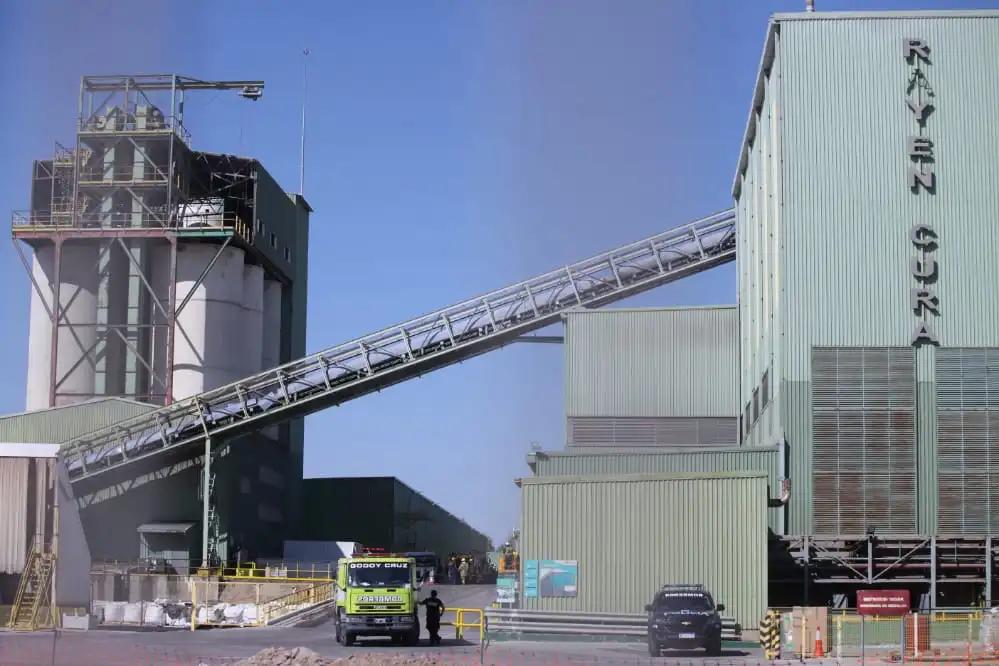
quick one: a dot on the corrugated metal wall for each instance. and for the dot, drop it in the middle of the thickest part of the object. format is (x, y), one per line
(54, 426)
(844, 209)
(663, 377)
(758, 214)
(744, 459)
(631, 534)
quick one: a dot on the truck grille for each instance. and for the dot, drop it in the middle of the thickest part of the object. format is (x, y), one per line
(379, 607)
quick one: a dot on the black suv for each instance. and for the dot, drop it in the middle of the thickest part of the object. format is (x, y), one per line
(684, 616)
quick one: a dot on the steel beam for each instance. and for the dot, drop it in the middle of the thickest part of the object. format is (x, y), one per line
(206, 478)
(54, 351)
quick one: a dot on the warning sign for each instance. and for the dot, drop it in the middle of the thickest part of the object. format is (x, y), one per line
(883, 602)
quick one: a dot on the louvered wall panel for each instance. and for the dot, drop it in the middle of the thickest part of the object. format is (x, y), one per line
(632, 431)
(863, 429)
(968, 440)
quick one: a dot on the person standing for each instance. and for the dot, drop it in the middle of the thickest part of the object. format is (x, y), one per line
(452, 573)
(435, 608)
(463, 570)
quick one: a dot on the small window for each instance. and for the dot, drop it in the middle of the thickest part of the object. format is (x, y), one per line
(287, 254)
(273, 240)
(756, 404)
(746, 420)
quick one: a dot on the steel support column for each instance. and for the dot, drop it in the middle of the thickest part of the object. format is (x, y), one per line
(56, 309)
(171, 320)
(933, 572)
(206, 500)
(988, 571)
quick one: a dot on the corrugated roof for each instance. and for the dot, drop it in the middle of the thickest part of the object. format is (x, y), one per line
(60, 424)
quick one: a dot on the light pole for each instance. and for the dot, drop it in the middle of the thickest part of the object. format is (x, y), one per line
(305, 94)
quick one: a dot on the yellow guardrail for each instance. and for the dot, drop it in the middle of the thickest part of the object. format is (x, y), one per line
(461, 623)
(310, 596)
(281, 572)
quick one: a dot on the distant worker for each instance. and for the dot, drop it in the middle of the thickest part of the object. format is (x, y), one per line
(452, 572)
(435, 608)
(463, 570)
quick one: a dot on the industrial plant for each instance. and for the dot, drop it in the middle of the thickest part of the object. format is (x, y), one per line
(830, 432)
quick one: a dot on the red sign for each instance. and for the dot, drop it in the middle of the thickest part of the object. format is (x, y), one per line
(883, 602)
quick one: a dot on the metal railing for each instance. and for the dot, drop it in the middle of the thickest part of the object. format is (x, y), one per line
(276, 571)
(521, 621)
(295, 601)
(154, 218)
(409, 349)
(461, 621)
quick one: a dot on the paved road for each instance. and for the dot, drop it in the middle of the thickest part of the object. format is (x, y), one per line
(124, 647)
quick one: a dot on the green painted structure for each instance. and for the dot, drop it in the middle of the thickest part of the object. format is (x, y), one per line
(825, 209)
(651, 377)
(630, 534)
(765, 460)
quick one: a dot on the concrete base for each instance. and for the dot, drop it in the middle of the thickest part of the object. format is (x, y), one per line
(79, 622)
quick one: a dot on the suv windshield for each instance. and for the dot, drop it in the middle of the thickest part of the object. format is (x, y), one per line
(672, 602)
(378, 574)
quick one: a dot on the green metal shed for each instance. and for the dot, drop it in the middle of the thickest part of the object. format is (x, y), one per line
(630, 534)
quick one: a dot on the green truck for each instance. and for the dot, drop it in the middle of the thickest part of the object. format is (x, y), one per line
(376, 596)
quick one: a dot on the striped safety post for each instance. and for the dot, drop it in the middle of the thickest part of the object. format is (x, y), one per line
(770, 634)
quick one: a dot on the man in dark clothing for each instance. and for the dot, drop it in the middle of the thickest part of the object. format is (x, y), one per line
(435, 608)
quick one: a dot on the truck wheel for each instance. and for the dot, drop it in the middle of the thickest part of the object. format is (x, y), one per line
(654, 649)
(348, 638)
(338, 629)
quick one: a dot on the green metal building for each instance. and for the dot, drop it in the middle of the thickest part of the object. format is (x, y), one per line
(630, 534)
(866, 199)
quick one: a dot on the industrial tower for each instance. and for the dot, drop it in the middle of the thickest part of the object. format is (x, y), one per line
(159, 271)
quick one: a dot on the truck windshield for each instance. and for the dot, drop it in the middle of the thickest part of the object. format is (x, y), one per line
(378, 574)
(673, 603)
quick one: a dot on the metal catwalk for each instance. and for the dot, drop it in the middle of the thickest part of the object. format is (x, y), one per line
(407, 350)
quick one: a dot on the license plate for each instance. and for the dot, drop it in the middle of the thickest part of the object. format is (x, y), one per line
(383, 620)
(687, 635)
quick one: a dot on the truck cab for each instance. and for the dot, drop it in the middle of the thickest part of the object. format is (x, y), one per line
(684, 616)
(376, 596)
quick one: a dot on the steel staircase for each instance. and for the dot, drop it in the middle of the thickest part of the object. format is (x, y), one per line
(407, 350)
(33, 591)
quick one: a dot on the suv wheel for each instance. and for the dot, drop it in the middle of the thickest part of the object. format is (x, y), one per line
(713, 648)
(654, 649)
(338, 628)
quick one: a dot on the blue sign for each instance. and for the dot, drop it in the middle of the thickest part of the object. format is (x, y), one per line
(558, 578)
(531, 579)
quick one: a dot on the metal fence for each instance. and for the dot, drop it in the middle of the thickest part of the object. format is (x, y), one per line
(944, 634)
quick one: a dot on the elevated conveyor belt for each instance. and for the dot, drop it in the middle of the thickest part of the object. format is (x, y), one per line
(407, 350)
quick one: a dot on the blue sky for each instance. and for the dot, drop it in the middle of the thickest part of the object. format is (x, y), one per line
(454, 147)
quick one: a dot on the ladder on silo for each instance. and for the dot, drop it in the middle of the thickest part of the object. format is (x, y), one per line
(407, 350)
(34, 590)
